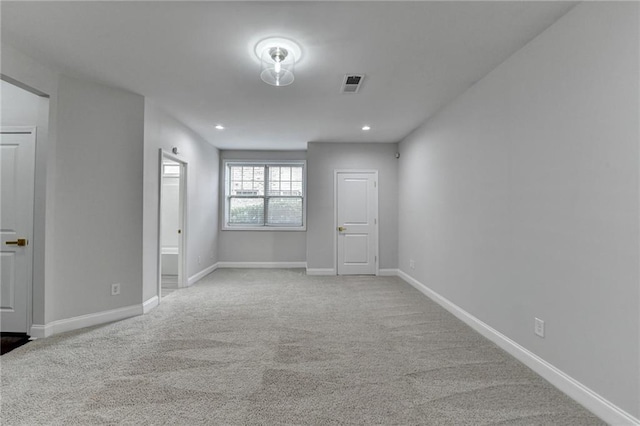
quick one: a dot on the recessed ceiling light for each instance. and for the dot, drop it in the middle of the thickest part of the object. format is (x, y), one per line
(365, 128)
(219, 127)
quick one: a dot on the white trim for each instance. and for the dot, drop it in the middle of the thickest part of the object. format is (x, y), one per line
(264, 265)
(37, 331)
(88, 320)
(598, 405)
(199, 275)
(262, 228)
(388, 272)
(150, 304)
(321, 271)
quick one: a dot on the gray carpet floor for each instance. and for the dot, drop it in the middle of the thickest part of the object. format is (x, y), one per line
(276, 347)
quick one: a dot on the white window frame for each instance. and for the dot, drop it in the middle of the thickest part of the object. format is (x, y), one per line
(226, 194)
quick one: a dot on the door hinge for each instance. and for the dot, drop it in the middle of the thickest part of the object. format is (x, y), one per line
(376, 258)
(375, 221)
(375, 184)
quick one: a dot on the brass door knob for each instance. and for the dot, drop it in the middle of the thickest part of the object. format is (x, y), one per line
(341, 228)
(20, 242)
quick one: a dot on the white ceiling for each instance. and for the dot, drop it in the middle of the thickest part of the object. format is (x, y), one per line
(196, 59)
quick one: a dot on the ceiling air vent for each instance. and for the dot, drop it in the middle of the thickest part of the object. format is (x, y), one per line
(352, 83)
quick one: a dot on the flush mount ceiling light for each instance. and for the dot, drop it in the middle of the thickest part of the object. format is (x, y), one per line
(365, 128)
(219, 127)
(278, 57)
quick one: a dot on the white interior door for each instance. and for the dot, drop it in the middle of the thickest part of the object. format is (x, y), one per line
(356, 222)
(17, 159)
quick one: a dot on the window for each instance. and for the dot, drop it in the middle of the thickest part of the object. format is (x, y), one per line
(265, 195)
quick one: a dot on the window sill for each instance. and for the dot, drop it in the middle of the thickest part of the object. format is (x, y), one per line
(264, 228)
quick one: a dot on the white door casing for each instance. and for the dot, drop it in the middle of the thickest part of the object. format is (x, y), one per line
(17, 162)
(356, 212)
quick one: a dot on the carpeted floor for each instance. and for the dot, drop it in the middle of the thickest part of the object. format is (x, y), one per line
(274, 347)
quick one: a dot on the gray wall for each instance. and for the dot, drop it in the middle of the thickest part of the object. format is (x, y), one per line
(164, 131)
(322, 160)
(260, 246)
(520, 199)
(98, 199)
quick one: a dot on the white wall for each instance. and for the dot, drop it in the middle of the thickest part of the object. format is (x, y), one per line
(521, 199)
(260, 246)
(98, 193)
(322, 160)
(164, 131)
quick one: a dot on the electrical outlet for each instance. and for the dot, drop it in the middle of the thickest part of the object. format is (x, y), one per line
(412, 264)
(199, 260)
(538, 327)
(115, 289)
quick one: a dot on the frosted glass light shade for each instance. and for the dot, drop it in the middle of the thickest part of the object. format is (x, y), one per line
(276, 66)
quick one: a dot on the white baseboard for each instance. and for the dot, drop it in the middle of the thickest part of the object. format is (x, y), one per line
(266, 265)
(318, 271)
(331, 271)
(598, 405)
(82, 321)
(37, 331)
(150, 304)
(198, 276)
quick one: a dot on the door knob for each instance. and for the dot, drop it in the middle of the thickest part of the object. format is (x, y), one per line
(341, 228)
(20, 242)
(179, 231)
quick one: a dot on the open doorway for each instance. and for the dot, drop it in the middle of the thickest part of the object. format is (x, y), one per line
(172, 227)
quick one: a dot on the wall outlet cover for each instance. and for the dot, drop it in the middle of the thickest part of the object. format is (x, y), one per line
(115, 289)
(539, 327)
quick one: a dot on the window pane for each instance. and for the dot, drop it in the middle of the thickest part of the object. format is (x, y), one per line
(247, 173)
(296, 174)
(285, 173)
(236, 173)
(282, 180)
(247, 180)
(258, 174)
(246, 211)
(171, 169)
(274, 173)
(285, 211)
